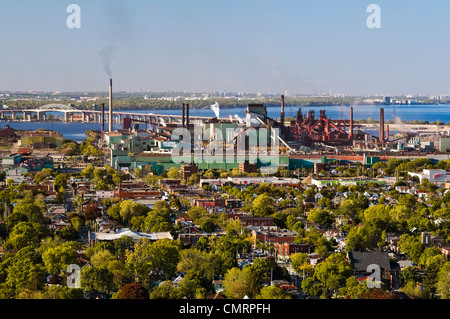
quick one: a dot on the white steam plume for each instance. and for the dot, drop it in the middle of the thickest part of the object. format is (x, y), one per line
(216, 109)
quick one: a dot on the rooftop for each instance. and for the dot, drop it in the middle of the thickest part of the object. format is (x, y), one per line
(133, 234)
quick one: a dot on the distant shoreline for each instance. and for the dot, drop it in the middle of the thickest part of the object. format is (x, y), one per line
(409, 127)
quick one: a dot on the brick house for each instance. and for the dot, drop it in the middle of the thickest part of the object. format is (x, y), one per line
(134, 192)
(285, 249)
(253, 221)
(215, 204)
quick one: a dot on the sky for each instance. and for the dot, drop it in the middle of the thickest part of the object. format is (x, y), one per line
(293, 46)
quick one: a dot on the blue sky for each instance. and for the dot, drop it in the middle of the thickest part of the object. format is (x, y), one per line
(248, 45)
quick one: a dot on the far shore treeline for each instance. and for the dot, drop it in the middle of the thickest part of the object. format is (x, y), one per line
(163, 100)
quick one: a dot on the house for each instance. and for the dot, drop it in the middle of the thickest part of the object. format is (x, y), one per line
(11, 160)
(134, 192)
(310, 225)
(176, 282)
(285, 249)
(445, 251)
(362, 261)
(7, 132)
(337, 200)
(218, 285)
(429, 240)
(215, 204)
(150, 203)
(338, 235)
(105, 225)
(254, 221)
(405, 263)
(393, 244)
(103, 194)
(315, 258)
(318, 196)
(273, 236)
(186, 171)
(59, 221)
(191, 238)
(16, 174)
(233, 203)
(342, 220)
(183, 218)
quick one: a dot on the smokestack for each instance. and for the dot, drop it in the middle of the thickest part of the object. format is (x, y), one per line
(381, 125)
(103, 117)
(110, 106)
(182, 117)
(187, 115)
(282, 110)
(387, 133)
(351, 122)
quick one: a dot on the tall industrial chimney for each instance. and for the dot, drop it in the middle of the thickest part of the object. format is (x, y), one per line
(110, 107)
(387, 133)
(351, 123)
(103, 118)
(187, 115)
(182, 116)
(282, 110)
(381, 125)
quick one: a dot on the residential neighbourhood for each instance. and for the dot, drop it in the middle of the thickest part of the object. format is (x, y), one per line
(174, 233)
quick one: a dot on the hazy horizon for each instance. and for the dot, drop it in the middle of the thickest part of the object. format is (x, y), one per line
(302, 47)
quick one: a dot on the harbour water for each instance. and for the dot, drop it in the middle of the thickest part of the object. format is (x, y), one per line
(76, 130)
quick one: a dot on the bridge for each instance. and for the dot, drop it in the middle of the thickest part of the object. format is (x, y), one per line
(72, 114)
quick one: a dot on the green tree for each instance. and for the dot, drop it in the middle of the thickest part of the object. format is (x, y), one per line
(312, 287)
(62, 292)
(409, 274)
(353, 289)
(321, 216)
(165, 290)
(88, 172)
(24, 234)
(163, 254)
(443, 281)
(61, 180)
(196, 261)
(240, 283)
(333, 272)
(98, 278)
(25, 271)
(57, 259)
(263, 267)
(29, 208)
(273, 292)
(411, 246)
(158, 220)
(121, 275)
(427, 257)
(125, 210)
(300, 263)
(263, 205)
(77, 223)
(173, 173)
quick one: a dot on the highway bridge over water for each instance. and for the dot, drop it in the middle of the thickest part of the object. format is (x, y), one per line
(71, 114)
